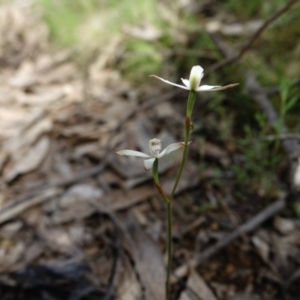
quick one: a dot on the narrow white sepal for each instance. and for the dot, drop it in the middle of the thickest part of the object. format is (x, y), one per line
(133, 153)
(171, 148)
(171, 83)
(186, 82)
(207, 88)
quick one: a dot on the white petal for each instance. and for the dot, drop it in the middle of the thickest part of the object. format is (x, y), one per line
(171, 148)
(197, 71)
(133, 153)
(203, 88)
(195, 77)
(171, 83)
(186, 82)
(148, 163)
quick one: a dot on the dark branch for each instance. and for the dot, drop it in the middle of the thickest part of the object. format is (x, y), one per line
(232, 58)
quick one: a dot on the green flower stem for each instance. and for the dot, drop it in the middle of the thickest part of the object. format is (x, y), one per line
(188, 126)
(190, 105)
(156, 181)
(169, 249)
(155, 172)
(169, 225)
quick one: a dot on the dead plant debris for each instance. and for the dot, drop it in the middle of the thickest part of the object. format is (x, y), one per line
(78, 222)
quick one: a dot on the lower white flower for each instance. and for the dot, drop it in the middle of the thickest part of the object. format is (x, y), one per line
(154, 149)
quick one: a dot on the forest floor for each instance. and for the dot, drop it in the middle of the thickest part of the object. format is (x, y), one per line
(79, 222)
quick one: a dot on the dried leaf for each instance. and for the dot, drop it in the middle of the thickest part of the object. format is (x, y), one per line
(128, 288)
(30, 161)
(285, 247)
(245, 296)
(41, 98)
(12, 211)
(22, 34)
(148, 260)
(262, 247)
(296, 178)
(234, 29)
(196, 288)
(284, 225)
(118, 200)
(10, 120)
(190, 178)
(27, 133)
(147, 32)
(80, 193)
(216, 152)
(13, 251)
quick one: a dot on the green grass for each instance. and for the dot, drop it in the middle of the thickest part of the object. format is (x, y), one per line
(91, 25)
(64, 17)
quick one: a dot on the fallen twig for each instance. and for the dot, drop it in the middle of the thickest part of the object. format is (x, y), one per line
(234, 57)
(249, 226)
(283, 136)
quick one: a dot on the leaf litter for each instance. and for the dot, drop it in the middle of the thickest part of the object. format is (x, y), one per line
(71, 233)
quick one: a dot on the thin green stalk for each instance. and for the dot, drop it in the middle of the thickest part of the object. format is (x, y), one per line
(169, 249)
(156, 181)
(169, 226)
(190, 104)
(188, 125)
(155, 172)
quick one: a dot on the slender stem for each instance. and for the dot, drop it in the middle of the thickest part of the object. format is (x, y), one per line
(188, 126)
(169, 248)
(169, 226)
(190, 105)
(156, 181)
(155, 172)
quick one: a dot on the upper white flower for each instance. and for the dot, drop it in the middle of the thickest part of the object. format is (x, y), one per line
(154, 149)
(193, 84)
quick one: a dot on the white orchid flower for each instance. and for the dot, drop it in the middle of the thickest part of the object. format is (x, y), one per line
(193, 84)
(154, 149)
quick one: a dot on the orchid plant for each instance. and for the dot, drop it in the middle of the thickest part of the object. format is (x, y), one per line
(151, 160)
